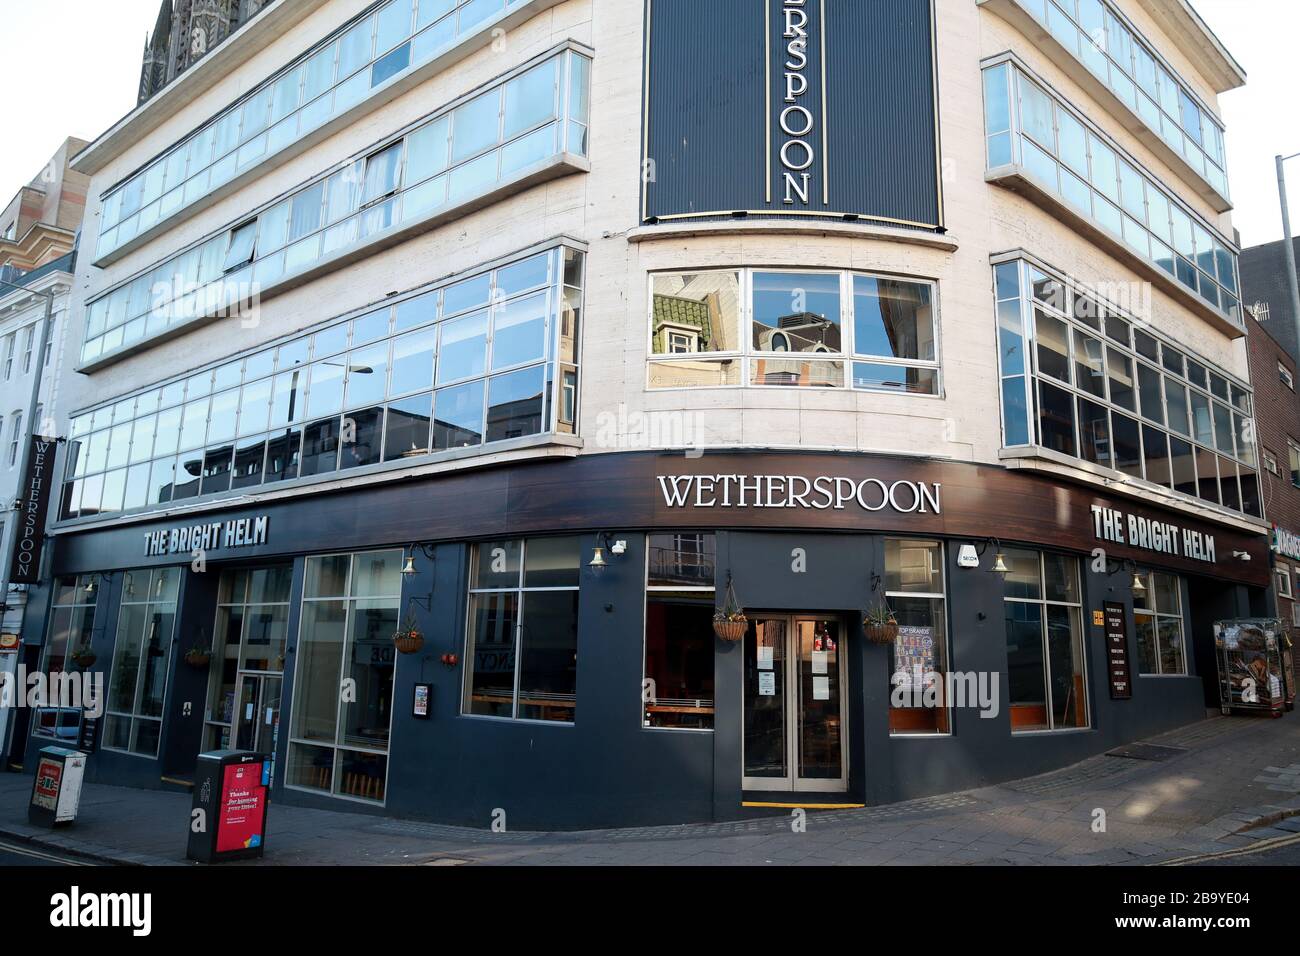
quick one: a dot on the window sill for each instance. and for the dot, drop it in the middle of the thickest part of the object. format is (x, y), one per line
(1074, 68)
(1018, 180)
(768, 227)
(1034, 458)
(554, 167)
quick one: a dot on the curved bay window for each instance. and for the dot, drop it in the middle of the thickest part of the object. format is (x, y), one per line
(914, 588)
(1082, 379)
(1158, 622)
(1046, 670)
(677, 683)
(343, 687)
(770, 328)
(141, 659)
(522, 640)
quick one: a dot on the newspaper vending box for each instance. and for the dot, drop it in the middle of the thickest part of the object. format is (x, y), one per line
(56, 791)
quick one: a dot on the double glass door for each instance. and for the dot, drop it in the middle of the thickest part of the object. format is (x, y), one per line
(794, 728)
(258, 715)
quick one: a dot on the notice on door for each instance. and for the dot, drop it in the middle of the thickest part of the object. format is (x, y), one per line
(821, 688)
(767, 684)
(1117, 659)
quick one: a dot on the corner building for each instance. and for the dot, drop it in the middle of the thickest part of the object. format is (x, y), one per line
(949, 330)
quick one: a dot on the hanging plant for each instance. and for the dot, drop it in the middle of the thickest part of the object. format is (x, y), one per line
(84, 657)
(879, 624)
(730, 623)
(409, 639)
(198, 656)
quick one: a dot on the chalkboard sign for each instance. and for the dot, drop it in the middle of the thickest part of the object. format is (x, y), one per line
(1117, 659)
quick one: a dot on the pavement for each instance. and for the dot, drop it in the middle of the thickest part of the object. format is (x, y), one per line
(1207, 793)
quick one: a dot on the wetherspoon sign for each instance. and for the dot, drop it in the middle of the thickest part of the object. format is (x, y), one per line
(820, 493)
(34, 498)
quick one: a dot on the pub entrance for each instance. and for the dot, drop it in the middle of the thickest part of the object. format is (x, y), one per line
(794, 729)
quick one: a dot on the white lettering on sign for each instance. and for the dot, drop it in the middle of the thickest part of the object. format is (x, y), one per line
(796, 120)
(234, 533)
(822, 493)
(1286, 543)
(1148, 534)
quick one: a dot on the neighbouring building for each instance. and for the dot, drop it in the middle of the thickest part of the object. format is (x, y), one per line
(38, 231)
(186, 31)
(1267, 293)
(1273, 374)
(550, 329)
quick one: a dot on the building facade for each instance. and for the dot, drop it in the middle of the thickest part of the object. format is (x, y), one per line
(552, 329)
(1267, 293)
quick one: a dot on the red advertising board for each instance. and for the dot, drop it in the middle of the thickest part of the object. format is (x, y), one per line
(243, 807)
(48, 774)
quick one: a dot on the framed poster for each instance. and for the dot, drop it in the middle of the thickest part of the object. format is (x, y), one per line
(422, 701)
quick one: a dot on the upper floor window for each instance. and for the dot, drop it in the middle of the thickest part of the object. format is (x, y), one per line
(1032, 133)
(1285, 376)
(1094, 32)
(9, 355)
(15, 437)
(337, 75)
(830, 329)
(1293, 454)
(486, 358)
(498, 136)
(521, 650)
(28, 335)
(1082, 379)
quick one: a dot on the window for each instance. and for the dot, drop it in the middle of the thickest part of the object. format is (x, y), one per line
(521, 653)
(812, 329)
(456, 156)
(1158, 620)
(9, 355)
(15, 437)
(1068, 392)
(914, 590)
(28, 334)
(49, 343)
(1117, 195)
(137, 683)
(1046, 671)
(1293, 453)
(1282, 576)
(1284, 374)
(71, 627)
(1270, 463)
(479, 359)
(677, 687)
(338, 743)
(252, 629)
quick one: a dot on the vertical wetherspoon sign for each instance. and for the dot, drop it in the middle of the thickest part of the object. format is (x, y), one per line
(34, 499)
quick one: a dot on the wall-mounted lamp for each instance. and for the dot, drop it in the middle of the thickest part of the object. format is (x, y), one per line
(1241, 555)
(409, 571)
(606, 542)
(999, 559)
(92, 586)
(1138, 585)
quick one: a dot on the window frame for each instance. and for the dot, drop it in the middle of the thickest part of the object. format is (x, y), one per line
(1044, 603)
(150, 601)
(519, 590)
(746, 354)
(1282, 579)
(648, 590)
(947, 636)
(1157, 615)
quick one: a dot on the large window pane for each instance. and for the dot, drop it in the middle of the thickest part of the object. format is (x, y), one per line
(491, 657)
(548, 656)
(797, 313)
(695, 312)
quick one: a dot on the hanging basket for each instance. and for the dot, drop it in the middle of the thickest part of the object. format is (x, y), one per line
(85, 659)
(881, 633)
(408, 642)
(198, 659)
(730, 623)
(730, 629)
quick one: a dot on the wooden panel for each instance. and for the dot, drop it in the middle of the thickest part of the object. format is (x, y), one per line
(622, 492)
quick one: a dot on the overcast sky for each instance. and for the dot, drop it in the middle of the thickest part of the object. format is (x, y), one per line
(100, 44)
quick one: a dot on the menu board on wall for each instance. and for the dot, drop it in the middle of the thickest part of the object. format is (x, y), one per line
(1117, 659)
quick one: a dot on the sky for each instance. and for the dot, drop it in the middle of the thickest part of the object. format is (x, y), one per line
(101, 44)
